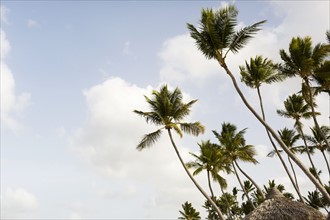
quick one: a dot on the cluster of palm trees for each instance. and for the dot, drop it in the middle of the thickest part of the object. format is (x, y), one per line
(215, 37)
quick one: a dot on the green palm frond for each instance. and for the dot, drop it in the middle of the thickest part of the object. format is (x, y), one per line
(259, 70)
(194, 128)
(149, 139)
(241, 38)
(176, 128)
(216, 32)
(320, 52)
(152, 117)
(181, 110)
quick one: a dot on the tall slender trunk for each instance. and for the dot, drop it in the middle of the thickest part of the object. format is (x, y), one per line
(326, 162)
(276, 150)
(319, 186)
(242, 186)
(252, 181)
(300, 131)
(294, 173)
(216, 208)
(209, 182)
(310, 102)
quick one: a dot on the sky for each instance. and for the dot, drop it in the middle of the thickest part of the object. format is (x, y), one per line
(72, 72)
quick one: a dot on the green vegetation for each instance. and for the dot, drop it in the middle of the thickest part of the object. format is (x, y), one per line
(215, 37)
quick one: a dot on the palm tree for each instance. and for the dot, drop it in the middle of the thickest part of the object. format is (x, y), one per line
(216, 37)
(189, 212)
(254, 74)
(290, 138)
(303, 60)
(233, 146)
(315, 141)
(296, 108)
(211, 160)
(167, 111)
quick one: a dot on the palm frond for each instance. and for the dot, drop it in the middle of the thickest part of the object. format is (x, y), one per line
(241, 37)
(176, 128)
(152, 117)
(149, 139)
(194, 128)
(203, 42)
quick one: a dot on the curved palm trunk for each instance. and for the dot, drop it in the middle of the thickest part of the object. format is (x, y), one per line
(209, 182)
(300, 131)
(310, 103)
(242, 186)
(295, 186)
(326, 162)
(317, 184)
(249, 178)
(216, 208)
(294, 173)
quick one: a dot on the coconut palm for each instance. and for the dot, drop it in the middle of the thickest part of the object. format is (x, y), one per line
(290, 138)
(233, 146)
(304, 60)
(168, 111)
(211, 160)
(297, 109)
(254, 74)
(315, 141)
(215, 37)
(189, 212)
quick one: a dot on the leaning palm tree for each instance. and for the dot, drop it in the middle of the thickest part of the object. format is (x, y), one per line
(263, 71)
(213, 161)
(290, 138)
(167, 111)
(297, 109)
(216, 37)
(232, 144)
(304, 60)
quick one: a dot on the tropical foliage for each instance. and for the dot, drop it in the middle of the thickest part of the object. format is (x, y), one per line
(216, 36)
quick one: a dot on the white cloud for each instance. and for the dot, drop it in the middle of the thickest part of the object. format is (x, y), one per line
(305, 18)
(108, 140)
(16, 203)
(181, 61)
(3, 14)
(31, 23)
(12, 104)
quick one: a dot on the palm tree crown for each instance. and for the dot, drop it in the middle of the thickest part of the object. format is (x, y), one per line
(233, 144)
(217, 35)
(296, 108)
(167, 110)
(259, 70)
(303, 59)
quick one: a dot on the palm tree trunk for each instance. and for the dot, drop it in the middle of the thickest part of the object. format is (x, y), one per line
(300, 131)
(216, 208)
(317, 184)
(310, 102)
(242, 186)
(276, 150)
(326, 161)
(252, 181)
(294, 174)
(209, 182)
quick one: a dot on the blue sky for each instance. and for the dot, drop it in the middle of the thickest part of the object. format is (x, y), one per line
(71, 74)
